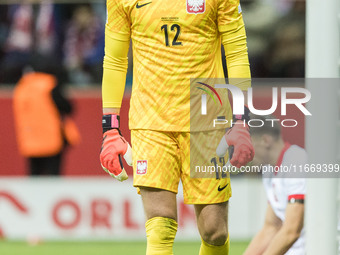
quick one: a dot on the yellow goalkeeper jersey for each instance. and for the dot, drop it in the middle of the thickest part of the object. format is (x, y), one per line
(173, 41)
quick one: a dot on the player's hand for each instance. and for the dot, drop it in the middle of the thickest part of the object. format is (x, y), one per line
(243, 151)
(113, 147)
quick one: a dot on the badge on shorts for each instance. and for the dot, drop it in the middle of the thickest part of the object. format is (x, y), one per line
(195, 6)
(142, 166)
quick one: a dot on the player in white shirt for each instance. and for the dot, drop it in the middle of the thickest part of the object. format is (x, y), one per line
(282, 231)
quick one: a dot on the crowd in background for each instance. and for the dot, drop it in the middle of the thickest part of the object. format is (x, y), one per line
(72, 35)
(276, 37)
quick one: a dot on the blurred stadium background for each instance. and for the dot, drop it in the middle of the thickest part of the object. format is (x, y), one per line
(84, 211)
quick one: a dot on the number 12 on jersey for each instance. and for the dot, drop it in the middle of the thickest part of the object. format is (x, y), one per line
(176, 29)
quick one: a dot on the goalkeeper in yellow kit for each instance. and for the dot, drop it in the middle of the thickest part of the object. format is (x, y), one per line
(173, 41)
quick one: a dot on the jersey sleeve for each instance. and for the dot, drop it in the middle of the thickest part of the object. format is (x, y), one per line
(296, 187)
(117, 39)
(231, 27)
(118, 20)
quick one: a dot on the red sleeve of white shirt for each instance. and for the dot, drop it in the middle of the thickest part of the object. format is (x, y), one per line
(296, 187)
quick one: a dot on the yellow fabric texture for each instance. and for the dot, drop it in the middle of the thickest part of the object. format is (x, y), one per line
(168, 157)
(170, 46)
(235, 47)
(208, 249)
(160, 234)
(115, 68)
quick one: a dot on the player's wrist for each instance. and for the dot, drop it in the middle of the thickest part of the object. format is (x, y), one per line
(110, 121)
(242, 117)
(111, 110)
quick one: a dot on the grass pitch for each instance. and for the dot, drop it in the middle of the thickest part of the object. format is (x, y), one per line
(101, 248)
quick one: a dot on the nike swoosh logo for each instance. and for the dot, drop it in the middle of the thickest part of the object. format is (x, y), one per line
(220, 189)
(140, 6)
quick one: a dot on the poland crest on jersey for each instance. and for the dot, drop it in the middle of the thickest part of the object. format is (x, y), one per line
(142, 166)
(195, 6)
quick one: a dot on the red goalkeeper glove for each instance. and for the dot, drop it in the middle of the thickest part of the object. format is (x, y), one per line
(113, 147)
(238, 139)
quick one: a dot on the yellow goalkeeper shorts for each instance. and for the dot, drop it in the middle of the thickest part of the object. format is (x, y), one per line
(162, 159)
